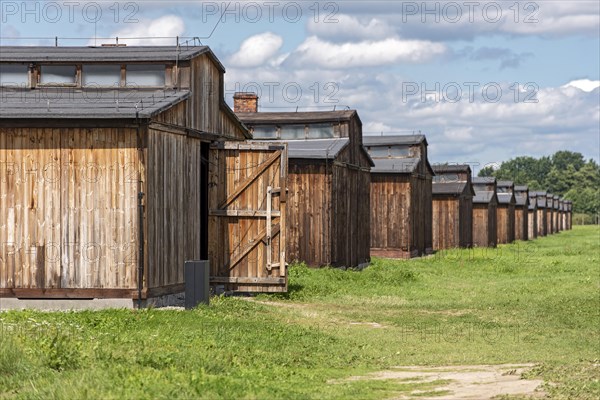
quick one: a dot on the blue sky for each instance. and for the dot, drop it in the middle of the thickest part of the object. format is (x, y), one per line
(372, 55)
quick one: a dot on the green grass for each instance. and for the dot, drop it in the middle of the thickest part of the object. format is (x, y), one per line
(532, 302)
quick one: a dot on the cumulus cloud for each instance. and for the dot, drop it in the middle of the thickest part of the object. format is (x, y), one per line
(319, 53)
(347, 27)
(435, 20)
(149, 32)
(584, 84)
(506, 57)
(256, 50)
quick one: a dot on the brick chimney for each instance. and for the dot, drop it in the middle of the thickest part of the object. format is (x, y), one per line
(244, 102)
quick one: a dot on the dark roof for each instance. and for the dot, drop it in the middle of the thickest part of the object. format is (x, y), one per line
(448, 188)
(319, 149)
(483, 180)
(268, 118)
(395, 165)
(91, 104)
(521, 200)
(441, 169)
(541, 202)
(483, 197)
(505, 198)
(505, 184)
(394, 140)
(99, 54)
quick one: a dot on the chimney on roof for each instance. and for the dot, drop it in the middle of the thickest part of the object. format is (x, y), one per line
(245, 102)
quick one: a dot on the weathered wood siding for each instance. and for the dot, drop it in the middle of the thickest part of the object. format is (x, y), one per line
(328, 213)
(452, 222)
(309, 210)
(68, 208)
(174, 216)
(207, 110)
(239, 178)
(521, 223)
(446, 222)
(532, 226)
(542, 224)
(484, 225)
(505, 223)
(351, 208)
(549, 220)
(391, 219)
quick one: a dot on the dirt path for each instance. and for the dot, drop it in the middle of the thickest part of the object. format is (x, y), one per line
(479, 382)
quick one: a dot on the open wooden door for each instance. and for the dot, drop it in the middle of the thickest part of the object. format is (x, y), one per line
(247, 195)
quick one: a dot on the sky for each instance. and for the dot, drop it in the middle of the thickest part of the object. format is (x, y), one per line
(485, 81)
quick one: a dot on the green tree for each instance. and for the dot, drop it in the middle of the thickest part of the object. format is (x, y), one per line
(562, 159)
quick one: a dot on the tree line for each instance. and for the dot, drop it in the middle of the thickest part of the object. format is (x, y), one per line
(565, 173)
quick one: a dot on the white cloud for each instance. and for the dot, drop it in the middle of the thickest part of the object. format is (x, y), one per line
(314, 52)
(584, 84)
(348, 27)
(256, 50)
(150, 32)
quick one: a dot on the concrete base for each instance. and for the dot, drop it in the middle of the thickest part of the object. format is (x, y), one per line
(10, 303)
(63, 305)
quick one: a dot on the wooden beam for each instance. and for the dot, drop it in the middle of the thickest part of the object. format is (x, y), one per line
(251, 179)
(262, 235)
(56, 293)
(243, 213)
(248, 280)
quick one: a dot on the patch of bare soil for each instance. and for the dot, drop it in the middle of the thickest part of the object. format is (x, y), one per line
(479, 382)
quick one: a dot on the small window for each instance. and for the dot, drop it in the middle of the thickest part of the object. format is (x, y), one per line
(321, 131)
(446, 178)
(399, 151)
(502, 190)
(101, 75)
(58, 74)
(379, 151)
(145, 75)
(292, 132)
(264, 132)
(14, 75)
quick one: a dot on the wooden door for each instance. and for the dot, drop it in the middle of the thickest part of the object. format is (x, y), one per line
(247, 195)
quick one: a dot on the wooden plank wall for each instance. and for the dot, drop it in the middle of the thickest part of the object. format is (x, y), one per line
(466, 221)
(446, 222)
(521, 223)
(206, 109)
(452, 222)
(350, 209)
(549, 221)
(68, 208)
(480, 225)
(391, 220)
(173, 211)
(493, 224)
(542, 224)
(309, 212)
(505, 223)
(232, 236)
(532, 227)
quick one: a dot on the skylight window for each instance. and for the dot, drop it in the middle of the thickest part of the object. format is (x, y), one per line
(58, 74)
(145, 75)
(101, 75)
(14, 75)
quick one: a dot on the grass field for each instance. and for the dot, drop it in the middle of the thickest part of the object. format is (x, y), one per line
(536, 302)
